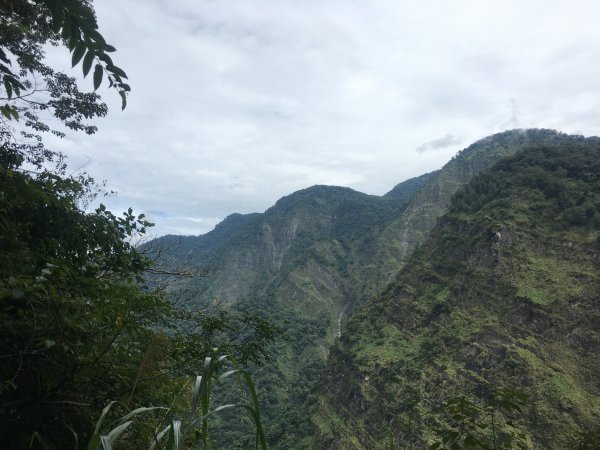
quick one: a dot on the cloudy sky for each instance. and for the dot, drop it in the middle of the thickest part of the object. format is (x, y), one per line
(236, 103)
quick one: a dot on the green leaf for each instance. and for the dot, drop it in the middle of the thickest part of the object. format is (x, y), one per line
(75, 38)
(255, 411)
(123, 99)
(15, 84)
(102, 416)
(117, 71)
(176, 427)
(219, 408)
(75, 438)
(159, 437)
(135, 412)
(4, 58)
(67, 31)
(57, 11)
(78, 53)
(98, 72)
(8, 87)
(6, 111)
(97, 38)
(37, 437)
(196, 394)
(109, 48)
(108, 439)
(228, 374)
(87, 62)
(104, 57)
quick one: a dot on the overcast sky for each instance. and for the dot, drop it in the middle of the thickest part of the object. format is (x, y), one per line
(236, 103)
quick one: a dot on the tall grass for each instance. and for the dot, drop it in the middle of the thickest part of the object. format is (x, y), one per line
(193, 426)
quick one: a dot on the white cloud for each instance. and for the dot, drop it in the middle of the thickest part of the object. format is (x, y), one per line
(236, 103)
(439, 143)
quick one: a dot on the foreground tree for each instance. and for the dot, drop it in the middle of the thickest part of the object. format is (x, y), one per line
(79, 326)
(75, 317)
(70, 281)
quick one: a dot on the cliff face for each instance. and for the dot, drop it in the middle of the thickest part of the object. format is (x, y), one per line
(504, 294)
(350, 244)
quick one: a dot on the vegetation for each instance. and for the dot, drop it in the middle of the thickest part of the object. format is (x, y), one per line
(477, 426)
(501, 296)
(317, 254)
(497, 300)
(192, 429)
(300, 273)
(80, 326)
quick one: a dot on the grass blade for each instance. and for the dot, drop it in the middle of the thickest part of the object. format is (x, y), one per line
(228, 374)
(158, 437)
(256, 410)
(197, 421)
(108, 439)
(196, 393)
(95, 439)
(135, 412)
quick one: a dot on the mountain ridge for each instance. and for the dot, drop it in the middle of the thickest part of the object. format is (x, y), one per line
(485, 303)
(317, 254)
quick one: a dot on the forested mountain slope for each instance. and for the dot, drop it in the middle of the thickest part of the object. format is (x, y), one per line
(503, 295)
(412, 227)
(309, 260)
(294, 265)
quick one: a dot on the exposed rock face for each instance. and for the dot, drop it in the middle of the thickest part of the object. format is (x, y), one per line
(298, 264)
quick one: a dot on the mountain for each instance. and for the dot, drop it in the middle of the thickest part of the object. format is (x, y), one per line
(501, 298)
(412, 227)
(315, 257)
(296, 264)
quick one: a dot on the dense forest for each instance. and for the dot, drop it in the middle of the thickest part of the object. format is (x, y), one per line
(458, 311)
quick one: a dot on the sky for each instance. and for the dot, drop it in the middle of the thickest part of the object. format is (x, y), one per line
(236, 103)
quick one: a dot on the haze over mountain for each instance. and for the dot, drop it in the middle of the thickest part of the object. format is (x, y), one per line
(303, 253)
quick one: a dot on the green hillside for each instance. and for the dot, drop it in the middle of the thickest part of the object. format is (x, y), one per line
(502, 297)
(311, 259)
(412, 227)
(294, 265)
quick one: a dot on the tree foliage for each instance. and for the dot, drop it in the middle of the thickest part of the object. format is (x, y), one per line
(80, 325)
(480, 426)
(30, 89)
